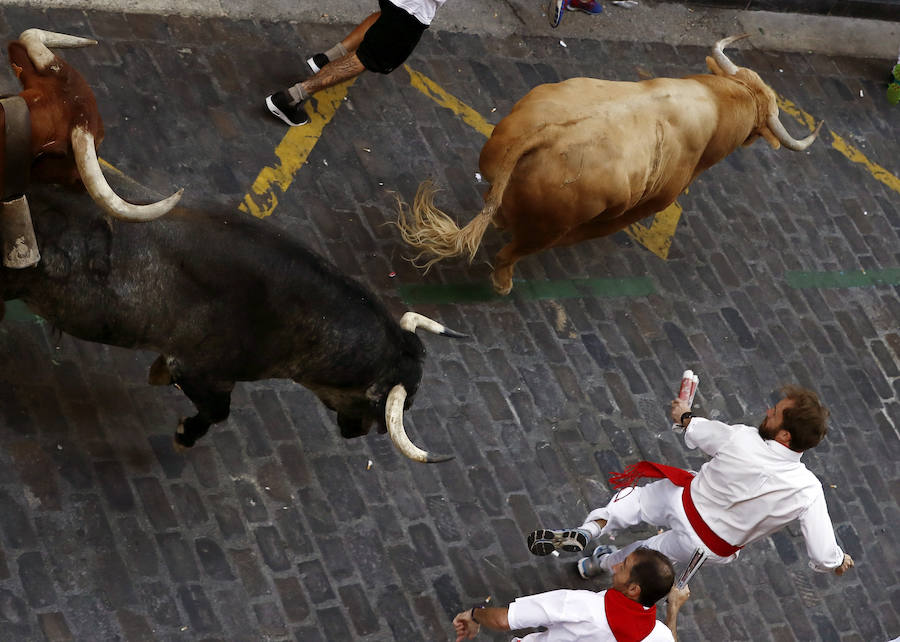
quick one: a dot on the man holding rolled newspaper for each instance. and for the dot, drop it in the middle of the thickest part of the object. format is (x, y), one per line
(754, 485)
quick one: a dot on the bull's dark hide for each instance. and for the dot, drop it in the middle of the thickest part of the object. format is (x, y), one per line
(222, 297)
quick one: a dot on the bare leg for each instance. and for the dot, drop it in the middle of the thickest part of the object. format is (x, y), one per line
(333, 73)
(351, 42)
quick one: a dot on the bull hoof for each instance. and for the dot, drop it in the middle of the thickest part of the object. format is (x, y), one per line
(502, 286)
(180, 442)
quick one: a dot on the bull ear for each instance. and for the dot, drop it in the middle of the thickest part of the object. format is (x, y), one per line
(714, 67)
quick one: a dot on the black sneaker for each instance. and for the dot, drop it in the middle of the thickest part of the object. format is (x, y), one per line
(317, 61)
(280, 105)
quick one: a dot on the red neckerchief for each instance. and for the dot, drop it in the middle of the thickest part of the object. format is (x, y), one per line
(628, 620)
(651, 469)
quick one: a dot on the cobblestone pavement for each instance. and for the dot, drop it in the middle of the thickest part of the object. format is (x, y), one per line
(275, 528)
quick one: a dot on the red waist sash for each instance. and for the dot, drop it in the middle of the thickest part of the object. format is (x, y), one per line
(683, 478)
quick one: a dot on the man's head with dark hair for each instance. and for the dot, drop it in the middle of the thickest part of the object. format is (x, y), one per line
(645, 576)
(805, 418)
(801, 414)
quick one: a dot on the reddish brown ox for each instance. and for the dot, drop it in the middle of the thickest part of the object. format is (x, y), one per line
(561, 175)
(65, 124)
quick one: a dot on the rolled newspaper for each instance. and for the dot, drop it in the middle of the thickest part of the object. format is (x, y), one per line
(697, 560)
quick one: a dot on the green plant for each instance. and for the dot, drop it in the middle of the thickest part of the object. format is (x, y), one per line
(893, 91)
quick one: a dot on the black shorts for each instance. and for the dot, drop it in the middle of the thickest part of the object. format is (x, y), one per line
(390, 40)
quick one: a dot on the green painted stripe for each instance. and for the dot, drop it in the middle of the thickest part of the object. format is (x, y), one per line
(843, 279)
(526, 290)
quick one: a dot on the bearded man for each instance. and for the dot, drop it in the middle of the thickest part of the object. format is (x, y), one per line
(754, 485)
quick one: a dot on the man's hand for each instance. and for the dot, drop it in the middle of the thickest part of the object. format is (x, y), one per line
(679, 407)
(846, 566)
(678, 596)
(466, 628)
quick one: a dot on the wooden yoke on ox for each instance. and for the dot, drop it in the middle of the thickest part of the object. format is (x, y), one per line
(19, 245)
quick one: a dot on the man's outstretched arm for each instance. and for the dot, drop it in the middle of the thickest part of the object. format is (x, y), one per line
(821, 545)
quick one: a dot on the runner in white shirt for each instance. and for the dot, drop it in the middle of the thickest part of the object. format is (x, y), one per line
(380, 43)
(754, 484)
(626, 612)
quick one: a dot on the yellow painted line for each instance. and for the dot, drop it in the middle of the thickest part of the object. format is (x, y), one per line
(657, 237)
(112, 168)
(852, 153)
(857, 156)
(122, 176)
(292, 152)
(434, 91)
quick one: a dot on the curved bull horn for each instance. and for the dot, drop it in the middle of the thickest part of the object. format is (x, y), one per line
(786, 139)
(719, 56)
(412, 320)
(393, 416)
(102, 193)
(37, 41)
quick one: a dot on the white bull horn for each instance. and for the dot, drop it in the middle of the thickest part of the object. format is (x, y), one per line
(102, 193)
(719, 56)
(393, 417)
(37, 41)
(786, 139)
(412, 320)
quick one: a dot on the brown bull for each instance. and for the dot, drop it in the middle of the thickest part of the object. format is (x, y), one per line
(559, 176)
(65, 124)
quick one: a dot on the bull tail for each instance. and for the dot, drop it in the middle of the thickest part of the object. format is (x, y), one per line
(434, 233)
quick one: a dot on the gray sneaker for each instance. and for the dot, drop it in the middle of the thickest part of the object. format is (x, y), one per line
(590, 566)
(545, 541)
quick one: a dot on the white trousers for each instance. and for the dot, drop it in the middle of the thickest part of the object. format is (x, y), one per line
(658, 504)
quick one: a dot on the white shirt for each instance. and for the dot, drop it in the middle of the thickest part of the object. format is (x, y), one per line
(570, 616)
(753, 486)
(421, 10)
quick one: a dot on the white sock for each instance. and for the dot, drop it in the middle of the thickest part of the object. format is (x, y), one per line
(337, 51)
(591, 527)
(297, 93)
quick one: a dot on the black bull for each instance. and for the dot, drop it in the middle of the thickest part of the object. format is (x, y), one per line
(222, 297)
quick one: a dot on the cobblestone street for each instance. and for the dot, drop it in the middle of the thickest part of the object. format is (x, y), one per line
(779, 267)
